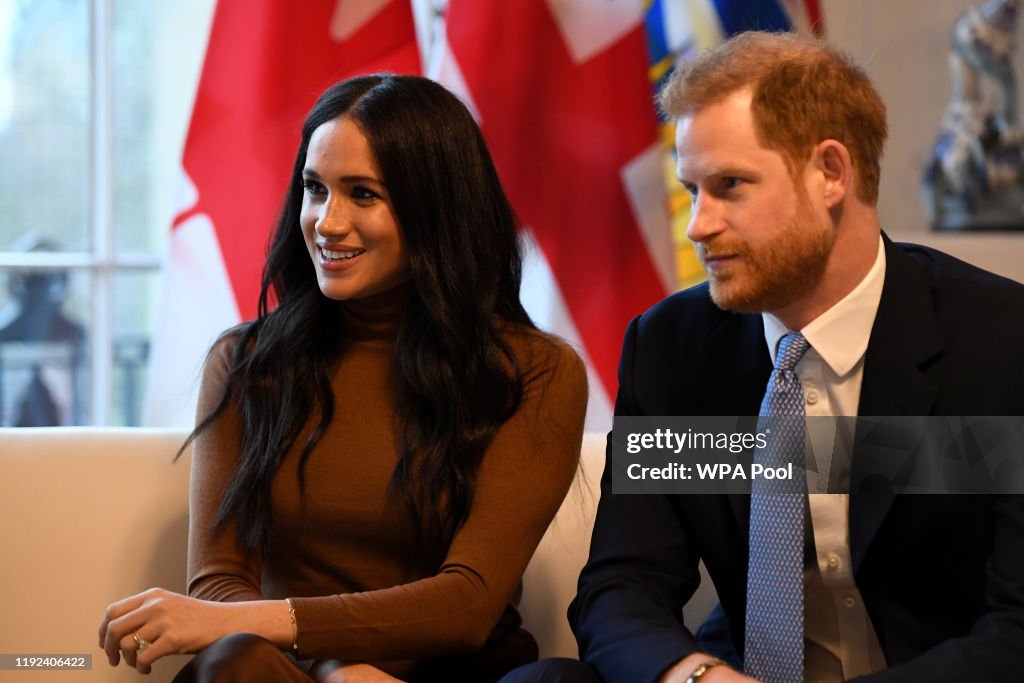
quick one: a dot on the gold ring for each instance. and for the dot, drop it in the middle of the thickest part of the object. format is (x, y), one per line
(140, 644)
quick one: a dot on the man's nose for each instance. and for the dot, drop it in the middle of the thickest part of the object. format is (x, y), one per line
(706, 219)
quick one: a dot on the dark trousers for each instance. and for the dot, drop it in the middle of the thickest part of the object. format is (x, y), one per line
(247, 658)
(556, 670)
(241, 658)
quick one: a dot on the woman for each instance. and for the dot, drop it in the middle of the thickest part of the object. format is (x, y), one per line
(380, 454)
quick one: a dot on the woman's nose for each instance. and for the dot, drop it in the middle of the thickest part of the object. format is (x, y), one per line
(334, 219)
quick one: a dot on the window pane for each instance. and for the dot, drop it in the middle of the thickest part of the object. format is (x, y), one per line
(44, 123)
(133, 111)
(134, 297)
(44, 351)
(157, 53)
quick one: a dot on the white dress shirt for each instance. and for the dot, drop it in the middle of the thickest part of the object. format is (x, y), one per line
(839, 638)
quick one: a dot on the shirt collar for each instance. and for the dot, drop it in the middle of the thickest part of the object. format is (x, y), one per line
(840, 334)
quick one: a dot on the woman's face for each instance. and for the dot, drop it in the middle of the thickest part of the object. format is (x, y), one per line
(347, 219)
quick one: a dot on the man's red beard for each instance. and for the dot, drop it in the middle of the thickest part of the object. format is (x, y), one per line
(772, 275)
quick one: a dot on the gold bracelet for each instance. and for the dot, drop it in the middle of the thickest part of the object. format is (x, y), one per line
(702, 669)
(295, 626)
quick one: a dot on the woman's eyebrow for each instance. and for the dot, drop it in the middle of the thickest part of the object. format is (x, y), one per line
(311, 173)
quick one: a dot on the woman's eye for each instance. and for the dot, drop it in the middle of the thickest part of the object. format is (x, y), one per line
(360, 192)
(312, 187)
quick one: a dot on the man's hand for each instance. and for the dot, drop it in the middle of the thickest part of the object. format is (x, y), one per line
(722, 673)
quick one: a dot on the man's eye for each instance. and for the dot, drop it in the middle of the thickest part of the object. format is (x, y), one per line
(731, 183)
(690, 190)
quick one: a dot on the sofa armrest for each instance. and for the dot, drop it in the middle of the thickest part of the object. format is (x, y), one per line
(87, 516)
(549, 584)
(91, 515)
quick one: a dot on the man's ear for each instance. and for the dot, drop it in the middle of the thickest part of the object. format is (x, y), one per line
(831, 159)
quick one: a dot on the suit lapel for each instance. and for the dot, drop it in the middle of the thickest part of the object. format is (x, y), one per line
(904, 337)
(739, 355)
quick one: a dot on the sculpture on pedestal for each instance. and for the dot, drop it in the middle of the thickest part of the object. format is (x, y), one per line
(975, 177)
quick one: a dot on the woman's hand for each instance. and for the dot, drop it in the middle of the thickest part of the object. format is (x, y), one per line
(157, 622)
(333, 671)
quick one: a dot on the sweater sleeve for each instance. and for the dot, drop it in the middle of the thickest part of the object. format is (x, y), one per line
(217, 569)
(522, 479)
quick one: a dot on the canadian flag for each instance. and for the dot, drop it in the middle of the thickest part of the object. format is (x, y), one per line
(561, 91)
(266, 63)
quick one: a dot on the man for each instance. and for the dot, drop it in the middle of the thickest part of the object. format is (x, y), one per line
(779, 140)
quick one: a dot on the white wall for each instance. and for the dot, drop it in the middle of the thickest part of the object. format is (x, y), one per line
(904, 45)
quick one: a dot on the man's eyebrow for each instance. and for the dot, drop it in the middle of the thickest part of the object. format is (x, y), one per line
(727, 171)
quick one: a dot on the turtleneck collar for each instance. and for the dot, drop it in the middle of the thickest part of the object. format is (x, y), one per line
(376, 316)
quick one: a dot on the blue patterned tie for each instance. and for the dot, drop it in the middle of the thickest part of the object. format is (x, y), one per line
(774, 651)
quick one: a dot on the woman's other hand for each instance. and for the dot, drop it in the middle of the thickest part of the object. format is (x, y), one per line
(157, 622)
(333, 671)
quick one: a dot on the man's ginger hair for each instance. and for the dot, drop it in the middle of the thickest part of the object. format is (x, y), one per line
(804, 92)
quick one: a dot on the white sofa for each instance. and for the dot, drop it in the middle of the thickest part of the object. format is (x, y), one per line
(90, 515)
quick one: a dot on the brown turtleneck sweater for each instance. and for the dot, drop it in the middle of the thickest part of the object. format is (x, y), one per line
(359, 592)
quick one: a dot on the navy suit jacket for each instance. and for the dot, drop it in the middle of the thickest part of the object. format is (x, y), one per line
(942, 576)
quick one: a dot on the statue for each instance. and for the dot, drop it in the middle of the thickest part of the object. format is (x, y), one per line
(42, 350)
(975, 177)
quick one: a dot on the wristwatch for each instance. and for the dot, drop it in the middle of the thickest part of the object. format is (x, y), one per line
(702, 669)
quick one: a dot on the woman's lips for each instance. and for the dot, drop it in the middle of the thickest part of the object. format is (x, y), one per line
(339, 257)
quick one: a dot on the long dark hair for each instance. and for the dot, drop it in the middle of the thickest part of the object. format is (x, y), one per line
(457, 380)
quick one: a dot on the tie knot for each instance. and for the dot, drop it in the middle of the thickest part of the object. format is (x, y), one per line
(791, 349)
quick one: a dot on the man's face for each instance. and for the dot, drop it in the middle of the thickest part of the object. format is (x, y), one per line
(762, 242)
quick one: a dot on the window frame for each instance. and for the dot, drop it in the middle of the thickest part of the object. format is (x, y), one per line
(102, 262)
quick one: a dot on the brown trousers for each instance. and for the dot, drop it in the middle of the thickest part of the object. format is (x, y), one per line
(241, 658)
(247, 658)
